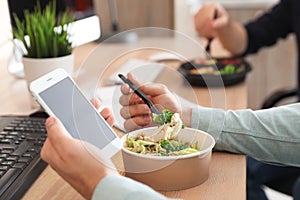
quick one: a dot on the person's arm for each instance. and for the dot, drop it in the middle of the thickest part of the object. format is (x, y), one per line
(270, 135)
(233, 37)
(231, 34)
(269, 27)
(116, 187)
(245, 39)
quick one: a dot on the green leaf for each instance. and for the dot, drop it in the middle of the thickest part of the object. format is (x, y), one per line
(163, 118)
(43, 43)
(19, 31)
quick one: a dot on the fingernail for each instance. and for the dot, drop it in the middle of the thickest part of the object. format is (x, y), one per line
(50, 121)
(126, 88)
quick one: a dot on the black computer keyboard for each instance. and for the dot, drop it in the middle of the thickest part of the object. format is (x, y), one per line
(21, 140)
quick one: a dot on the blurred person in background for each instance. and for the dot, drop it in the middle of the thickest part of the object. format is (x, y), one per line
(241, 40)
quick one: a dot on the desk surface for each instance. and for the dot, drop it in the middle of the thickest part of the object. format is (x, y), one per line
(227, 172)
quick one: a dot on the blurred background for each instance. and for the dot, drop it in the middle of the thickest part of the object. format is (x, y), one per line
(268, 65)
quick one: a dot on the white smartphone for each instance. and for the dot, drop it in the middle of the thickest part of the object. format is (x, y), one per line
(58, 94)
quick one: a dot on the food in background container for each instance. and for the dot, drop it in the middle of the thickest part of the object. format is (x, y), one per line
(215, 72)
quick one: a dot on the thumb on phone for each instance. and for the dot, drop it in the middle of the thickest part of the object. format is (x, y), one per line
(56, 133)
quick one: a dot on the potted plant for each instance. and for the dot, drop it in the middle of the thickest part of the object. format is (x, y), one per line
(46, 36)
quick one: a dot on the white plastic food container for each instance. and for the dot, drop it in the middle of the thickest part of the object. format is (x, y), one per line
(171, 172)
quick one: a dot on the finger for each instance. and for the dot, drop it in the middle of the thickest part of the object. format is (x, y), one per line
(154, 89)
(106, 113)
(137, 122)
(222, 17)
(125, 89)
(96, 103)
(130, 99)
(108, 116)
(133, 79)
(134, 110)
(111, 121)
(220, 22)
(57, 134)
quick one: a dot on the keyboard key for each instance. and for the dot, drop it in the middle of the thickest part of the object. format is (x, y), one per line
(29, 154)
(7, 151)
(18, 142)
(36, 150)
(7, 146)
(30, 138)
(20, 165)
(25, 160)
(4, 155)
(8, 128)
(3, 133)
(12, 158)
(15, 133)
(42, 138)
(30, 129)
(13, 137)
(4, 167)
(19, 129)
(39, 143)
(8, 163)
(6, 141)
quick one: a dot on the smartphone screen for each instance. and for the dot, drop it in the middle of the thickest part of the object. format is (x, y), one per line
(77, 114)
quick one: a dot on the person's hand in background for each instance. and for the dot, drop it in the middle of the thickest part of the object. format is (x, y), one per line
(136, 112)
(232, 35)
(204, 21)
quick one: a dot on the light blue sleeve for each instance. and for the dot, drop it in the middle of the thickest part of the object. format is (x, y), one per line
(116, 187)
(271, 135)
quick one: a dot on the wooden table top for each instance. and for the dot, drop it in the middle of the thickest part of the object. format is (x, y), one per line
(227, 178)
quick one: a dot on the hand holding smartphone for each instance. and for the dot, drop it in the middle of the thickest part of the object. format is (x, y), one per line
(58, 94)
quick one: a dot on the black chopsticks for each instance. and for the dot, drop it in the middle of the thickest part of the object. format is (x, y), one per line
(140, 94)
(209, 40)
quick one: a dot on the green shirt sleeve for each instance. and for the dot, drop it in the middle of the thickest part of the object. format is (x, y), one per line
(116, 187)
(270, 135)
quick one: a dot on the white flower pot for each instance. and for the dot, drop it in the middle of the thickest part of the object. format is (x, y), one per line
(36, 67)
